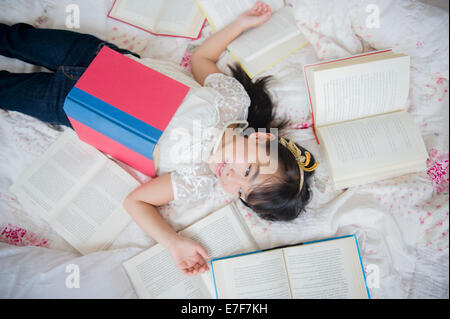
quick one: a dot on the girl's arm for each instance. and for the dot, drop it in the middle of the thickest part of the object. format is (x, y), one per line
(141, 204)
(204, 59)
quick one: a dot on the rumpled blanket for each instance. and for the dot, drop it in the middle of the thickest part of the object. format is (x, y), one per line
(401, 223)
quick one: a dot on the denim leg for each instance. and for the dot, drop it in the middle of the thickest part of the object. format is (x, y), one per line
(50, 48)
(42, 94)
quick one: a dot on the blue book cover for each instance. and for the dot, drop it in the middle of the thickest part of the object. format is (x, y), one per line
(112, 122)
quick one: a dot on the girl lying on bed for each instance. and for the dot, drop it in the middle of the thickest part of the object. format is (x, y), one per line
(217, 101)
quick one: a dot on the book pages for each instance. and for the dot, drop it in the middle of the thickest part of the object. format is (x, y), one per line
(155, 275)
(142, 13)
(180, 15)
(329, 269)
(360, 90)
(181, 18)
(259, 48)
(254, 42)
(371, 147)
(252, 276)
(68, 162)
(221, 13)
(79, 191)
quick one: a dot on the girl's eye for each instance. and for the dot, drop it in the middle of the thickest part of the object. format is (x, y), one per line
(247, 172)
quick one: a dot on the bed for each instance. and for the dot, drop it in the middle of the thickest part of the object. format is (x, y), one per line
(401, 223)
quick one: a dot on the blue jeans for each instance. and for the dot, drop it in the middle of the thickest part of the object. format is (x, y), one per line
(64, 52)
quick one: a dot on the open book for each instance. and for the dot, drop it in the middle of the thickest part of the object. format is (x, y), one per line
(155, 275)
(178, 18)
(259, 48)
(329, 269)
(358, 106)
(78, 191)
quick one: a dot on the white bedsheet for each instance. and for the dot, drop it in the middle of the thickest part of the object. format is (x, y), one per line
(401, 223)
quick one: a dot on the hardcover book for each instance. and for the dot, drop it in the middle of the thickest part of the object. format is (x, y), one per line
(176, 18)
(330, 268)
(154, 274)
(122, 107)
(249, 272)
(257, 49)
(360, 119)
(79, 191)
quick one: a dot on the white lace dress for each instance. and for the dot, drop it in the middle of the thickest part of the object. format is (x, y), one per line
(195, 131)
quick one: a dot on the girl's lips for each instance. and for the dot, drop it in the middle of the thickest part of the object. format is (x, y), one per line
(219, 169)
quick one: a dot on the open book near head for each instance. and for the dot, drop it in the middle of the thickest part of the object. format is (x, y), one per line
(259, 48)
(358, 108)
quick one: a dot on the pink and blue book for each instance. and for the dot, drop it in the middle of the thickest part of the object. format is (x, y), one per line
(122, 107)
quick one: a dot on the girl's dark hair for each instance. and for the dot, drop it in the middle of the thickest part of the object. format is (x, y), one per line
(279, 198)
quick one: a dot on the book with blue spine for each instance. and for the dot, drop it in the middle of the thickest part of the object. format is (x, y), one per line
(223, 233)
(122, 107)
(329, 268)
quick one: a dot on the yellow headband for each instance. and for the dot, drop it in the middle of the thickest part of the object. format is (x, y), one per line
(302, 160)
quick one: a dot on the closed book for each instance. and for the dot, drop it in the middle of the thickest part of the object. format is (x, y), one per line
(122, 107)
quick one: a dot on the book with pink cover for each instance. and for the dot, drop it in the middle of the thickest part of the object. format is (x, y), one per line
(174, 18)
(122, 107)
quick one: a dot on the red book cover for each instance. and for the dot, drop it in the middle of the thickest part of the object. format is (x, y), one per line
(122, 107)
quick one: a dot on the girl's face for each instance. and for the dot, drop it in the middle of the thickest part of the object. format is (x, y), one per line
(242, 163)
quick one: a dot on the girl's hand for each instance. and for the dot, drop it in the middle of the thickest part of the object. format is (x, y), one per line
(204, 59)
(189, 256)
(259, 14)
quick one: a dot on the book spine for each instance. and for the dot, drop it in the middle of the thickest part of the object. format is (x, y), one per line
(112, 122)
(348, 58)
(311, 106)
(109, 12)
(112, 114)
(362, 265)
(207, 17)
(162, 34)
(214, 281)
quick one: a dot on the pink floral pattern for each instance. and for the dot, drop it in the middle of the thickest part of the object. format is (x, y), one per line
(193, 45)
(303, 125)
(17, 236)
(438, 88)
(438, 171)
(186, 60)
(128, 41)
(255, 223)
